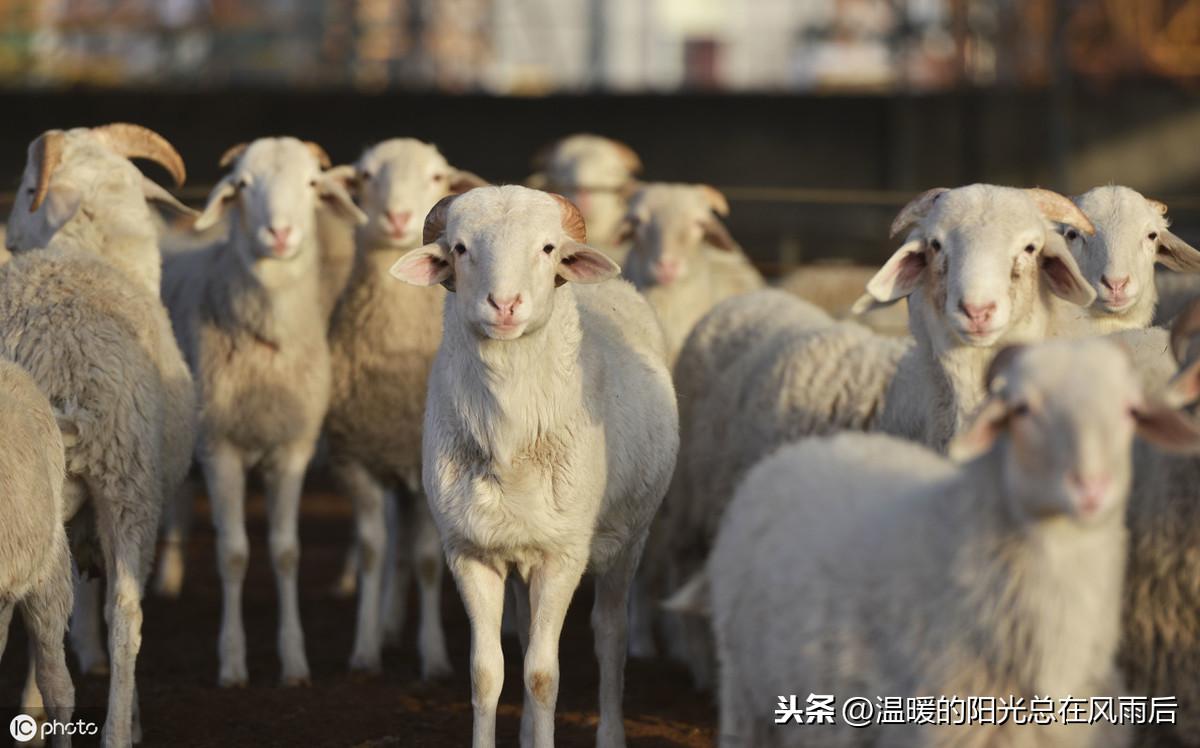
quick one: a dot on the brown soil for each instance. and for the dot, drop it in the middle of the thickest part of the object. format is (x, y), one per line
(182, 705)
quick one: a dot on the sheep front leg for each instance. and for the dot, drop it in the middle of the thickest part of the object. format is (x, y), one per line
(431, 639)
(368, 498)
(610, 626)
(87, 628)
(285, 481)
(123, 609)
(551, 587)
(482, 589)
(225, 475)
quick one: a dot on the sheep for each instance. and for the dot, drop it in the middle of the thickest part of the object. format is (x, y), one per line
(1160, 647)
(249, 318)
(35, 563)
(864, 565)
(550, 435)
(1132, 236)
(382, 341)
(836, 286)
(597, 175)
(990, 250)
(80, 195)
(682, 257)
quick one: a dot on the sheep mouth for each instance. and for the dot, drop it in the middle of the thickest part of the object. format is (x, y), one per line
(503, 330)
(1115, 304)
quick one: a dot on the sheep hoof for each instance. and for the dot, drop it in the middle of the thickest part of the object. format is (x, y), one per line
(233, 681)
(436, 670)
(296, 681)
(366, 665)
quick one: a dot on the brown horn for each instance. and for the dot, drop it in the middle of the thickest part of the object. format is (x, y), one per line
(46, 153)
(435, 222)
(1158, 206)
(319, 153)
(135, 141)
(572, 219)
(716, 200)
(231, 154)
(1184, 330)
(916, 209)
(1058, 208)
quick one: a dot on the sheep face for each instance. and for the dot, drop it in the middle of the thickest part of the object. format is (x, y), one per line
(1065, 443)
(978, 254)
(670, 225)
(65, 170)
(276, 185)
(1131, 236)
(397, 182)
(592, 172)
(504, 251)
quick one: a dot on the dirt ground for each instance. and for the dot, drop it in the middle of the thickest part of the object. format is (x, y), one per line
(182, 705)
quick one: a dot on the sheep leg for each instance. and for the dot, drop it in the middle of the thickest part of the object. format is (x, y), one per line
(610, 620)
(347, 581)
(87, 627)
(123, 610)
(431, 640)
(225, 476)
(641, 620)
(368, 498)
(176, 523)
(6, 611)
(551, 587)
(482, 589)
(397, 574)
(285, 481)
(45, 612)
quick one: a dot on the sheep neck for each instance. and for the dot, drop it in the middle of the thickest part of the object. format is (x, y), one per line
(130, 246)
(1041, 595)
(511, 394)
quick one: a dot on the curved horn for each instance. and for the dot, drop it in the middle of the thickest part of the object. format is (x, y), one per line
(1158, 206)
(1184, 330)
(46, 152)
(717, 201)
(916, 209)
(319, 154)
(135, 141)
(231, 154)
(435, 222)
(1059, 208)
(572, 219)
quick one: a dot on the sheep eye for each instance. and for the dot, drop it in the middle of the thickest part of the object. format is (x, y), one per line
(459, 248)
(548, 248)
(1030, 249)
(312, 183)
(1153, 235)
(439, 177)
(1020, 409)
(935, 245)
(364, 176)
(1072, 234)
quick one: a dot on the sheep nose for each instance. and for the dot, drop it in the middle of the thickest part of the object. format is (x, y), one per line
(1090, 489)
(1116, 285)
(398, 220)
(280, 236)
(505, 307)
(977, 313)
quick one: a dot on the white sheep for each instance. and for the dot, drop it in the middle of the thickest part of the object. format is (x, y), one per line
(550, 436)
(80, 193)
(249, 318)
(682, 258)
(1132, 237)
(864, 565)
(597, 175)
(382, 342)
(836, 286)
(35, 562)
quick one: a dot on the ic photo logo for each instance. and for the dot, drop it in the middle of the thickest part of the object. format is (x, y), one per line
(23, 728)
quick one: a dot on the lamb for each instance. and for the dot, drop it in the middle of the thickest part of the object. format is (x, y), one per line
(866, 565)
(979, 268)
(35, 563)
(682, 257)
(1132, 236)
(550, 435)
(248, 316)
(597, 175)
(91, 296)
(382, 340)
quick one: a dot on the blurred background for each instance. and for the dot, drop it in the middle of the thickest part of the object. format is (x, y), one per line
(817, 118)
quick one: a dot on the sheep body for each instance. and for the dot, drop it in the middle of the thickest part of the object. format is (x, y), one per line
(835, 287)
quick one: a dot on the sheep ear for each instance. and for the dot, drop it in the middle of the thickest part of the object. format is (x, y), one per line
(900, 275)
(1177, 254)
(1062, 272)
(579, 263)
(218, 203)
(1058, 208)
(425, 266)
(462, 181)
(989, 422)
(718, 236)
(60, 205)
(1167, 428)
(693, 598)
(156, 193)
(715, 199)
(333, 193)
(346, 174)
(867, 303)
(916, 210)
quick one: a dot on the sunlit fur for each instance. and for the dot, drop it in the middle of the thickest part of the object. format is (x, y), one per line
(863, 565)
